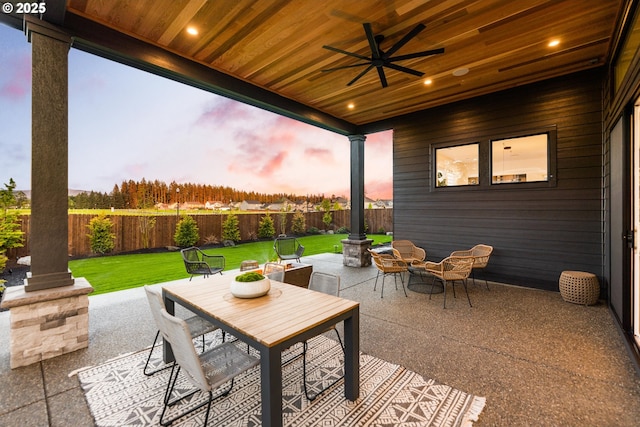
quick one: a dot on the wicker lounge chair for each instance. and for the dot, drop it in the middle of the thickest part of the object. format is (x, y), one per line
(480, 254)
(407, 251)
(451, 269)
(386, 265)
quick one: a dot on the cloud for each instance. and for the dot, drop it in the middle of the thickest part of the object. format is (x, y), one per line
(320, 154)
(18, 84)
(379, 141)
(379, 189)
(273, 165)
(221, 111)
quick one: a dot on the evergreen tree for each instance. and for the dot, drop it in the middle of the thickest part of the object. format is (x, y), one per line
(101, 237)
(231, 228)
(298, 223)
(266, 228)
(187, 232)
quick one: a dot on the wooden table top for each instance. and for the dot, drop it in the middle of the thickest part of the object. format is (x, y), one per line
(285, 312)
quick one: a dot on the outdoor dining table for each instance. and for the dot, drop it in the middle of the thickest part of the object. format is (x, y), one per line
(286, 315)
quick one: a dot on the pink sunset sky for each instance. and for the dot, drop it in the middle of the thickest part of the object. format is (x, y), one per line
(127, 124)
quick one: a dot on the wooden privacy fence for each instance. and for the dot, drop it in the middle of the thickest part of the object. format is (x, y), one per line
(129, 235)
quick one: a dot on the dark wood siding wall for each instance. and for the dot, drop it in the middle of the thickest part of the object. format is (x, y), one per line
(536, 232)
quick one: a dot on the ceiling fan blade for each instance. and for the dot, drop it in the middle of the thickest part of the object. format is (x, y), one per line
(345, 66)
(383, 78)
(411, 34)
(417, 55)
(355, 55)
(360, 75)
(375, 53)
(405, 70)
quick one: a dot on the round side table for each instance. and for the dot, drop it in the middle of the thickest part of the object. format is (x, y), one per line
(579, 287)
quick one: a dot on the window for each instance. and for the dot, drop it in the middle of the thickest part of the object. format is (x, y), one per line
(456, 166)
(627, 52)
(523, 159)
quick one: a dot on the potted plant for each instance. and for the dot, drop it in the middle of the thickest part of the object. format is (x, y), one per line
(250, 285)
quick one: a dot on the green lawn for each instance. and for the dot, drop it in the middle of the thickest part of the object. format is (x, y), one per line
(118, 272)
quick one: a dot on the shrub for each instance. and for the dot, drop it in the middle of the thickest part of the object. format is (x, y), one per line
(298, 223)
(212, 239)
(283, 222)
(342, 230)
(146, 224)
(187, 233)
(101, 237)
(313, 230)
(231, 228)
(266, 228)
(10, 233)
(327, 218)
(381, 230)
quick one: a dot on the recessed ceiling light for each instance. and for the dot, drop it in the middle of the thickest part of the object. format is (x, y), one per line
(351, 106)
(192, 30)
(428, 82)
(554, 43)
(460, 72)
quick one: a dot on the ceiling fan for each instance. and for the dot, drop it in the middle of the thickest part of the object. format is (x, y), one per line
(380, 59)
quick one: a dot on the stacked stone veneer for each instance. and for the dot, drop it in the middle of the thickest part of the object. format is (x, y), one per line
(355, 253)
(47, 323)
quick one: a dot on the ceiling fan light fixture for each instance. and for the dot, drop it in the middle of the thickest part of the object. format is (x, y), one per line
(460, 72)
(383, 59)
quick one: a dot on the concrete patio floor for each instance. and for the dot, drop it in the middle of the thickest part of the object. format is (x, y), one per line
(538, 360)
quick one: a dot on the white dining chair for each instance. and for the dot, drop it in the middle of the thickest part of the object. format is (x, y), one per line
(197, 325)
(207, 371)
(328, 284)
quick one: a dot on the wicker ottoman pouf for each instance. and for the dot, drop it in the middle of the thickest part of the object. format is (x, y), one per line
(579, 287)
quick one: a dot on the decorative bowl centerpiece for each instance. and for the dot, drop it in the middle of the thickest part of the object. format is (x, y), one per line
(250, 285)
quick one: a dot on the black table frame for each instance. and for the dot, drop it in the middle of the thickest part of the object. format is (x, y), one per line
(271, 357)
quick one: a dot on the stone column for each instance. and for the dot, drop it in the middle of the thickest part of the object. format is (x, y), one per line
(49, 163)
(354, 248)
(50, 314)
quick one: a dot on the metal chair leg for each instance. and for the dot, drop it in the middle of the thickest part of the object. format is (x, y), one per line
(304, 371)
(153, 346)
(167, 399)
(146, 365)
(464, 283)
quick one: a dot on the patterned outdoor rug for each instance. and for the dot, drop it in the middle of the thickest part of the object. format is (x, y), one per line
(119, 394)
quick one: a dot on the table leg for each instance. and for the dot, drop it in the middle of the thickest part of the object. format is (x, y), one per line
(352, 356)
(167, 351)
(271, 386)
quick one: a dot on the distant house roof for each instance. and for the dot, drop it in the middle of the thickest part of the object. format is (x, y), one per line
(250, 205)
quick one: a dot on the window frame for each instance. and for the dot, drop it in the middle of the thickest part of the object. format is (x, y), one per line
(435, 164)
(485, 162)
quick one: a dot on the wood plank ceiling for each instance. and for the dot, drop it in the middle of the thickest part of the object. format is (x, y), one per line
(278, 45)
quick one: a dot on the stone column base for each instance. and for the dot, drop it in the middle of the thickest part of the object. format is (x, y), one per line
(47, 323)
(355, 253)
